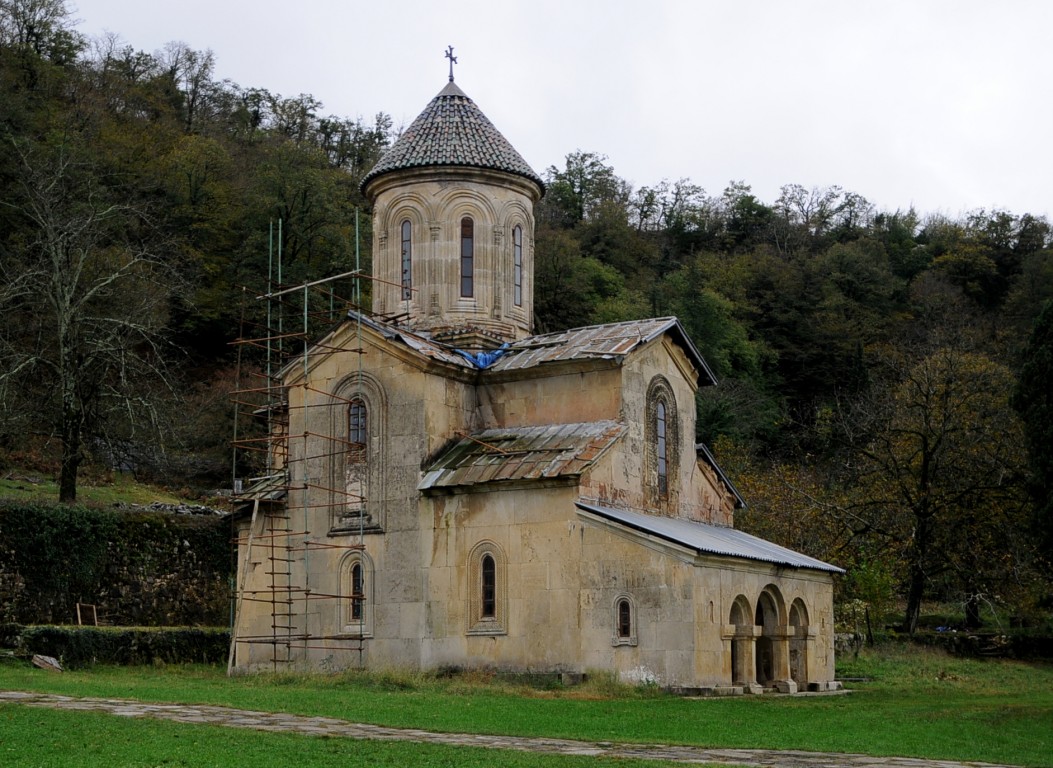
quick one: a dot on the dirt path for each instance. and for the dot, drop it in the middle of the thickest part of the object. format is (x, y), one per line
(328, 726)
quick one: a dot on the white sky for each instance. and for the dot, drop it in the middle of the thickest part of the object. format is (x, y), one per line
(941, 104)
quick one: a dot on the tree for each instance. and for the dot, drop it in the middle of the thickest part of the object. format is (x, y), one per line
(575, 192)
(1033, 400)
(40, 27)
(90, 292)
(940, 465)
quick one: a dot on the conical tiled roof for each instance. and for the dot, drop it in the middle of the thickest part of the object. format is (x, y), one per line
(452, 130)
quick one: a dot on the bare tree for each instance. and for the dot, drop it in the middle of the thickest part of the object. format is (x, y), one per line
(84, 296)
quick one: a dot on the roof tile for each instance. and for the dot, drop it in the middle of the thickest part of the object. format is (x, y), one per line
(452, 130)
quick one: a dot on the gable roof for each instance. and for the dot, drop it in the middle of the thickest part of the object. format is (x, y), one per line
(703, 453)
(521, 453)
(611, 341)
(452, 130)
(708, 539)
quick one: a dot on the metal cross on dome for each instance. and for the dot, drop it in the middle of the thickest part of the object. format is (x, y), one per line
(452, 58)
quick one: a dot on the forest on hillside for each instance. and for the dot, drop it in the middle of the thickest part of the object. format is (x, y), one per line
(884, 375)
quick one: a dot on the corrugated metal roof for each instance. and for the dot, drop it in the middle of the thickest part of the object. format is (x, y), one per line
(267, 488)
(452, 130)
(422, 344)
(521, 453)
(611, 341)
(710, 539)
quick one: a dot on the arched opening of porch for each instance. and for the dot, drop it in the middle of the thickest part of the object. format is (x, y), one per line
(741, 638)
(801, 636)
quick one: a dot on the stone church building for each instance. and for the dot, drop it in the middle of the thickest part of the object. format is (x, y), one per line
(454, 491)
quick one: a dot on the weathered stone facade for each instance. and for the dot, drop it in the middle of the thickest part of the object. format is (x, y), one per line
(540, 507)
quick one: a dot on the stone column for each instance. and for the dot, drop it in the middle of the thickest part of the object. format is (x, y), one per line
(780, 649)
(743, 639)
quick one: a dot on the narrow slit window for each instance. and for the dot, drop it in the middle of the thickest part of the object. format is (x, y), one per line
(357, 430)
(489, 584)
(467, 258)
(357, 592)
(625, 619)
(407, 260)
(663, 469)
(517, 265)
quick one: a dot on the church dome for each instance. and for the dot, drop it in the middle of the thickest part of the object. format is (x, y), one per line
(452, 131)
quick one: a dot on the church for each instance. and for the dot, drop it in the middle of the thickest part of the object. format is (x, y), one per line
(448, 490)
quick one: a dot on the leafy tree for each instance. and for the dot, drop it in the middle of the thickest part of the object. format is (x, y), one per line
(940, 465)
(574, 192)
(747, 222)
(1033, 400)
(41, 28)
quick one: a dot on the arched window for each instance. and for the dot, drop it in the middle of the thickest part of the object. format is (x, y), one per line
(660, 449)
(358, 595)
(624, 621)
(467, 258)
(517, 265)
(353, 461)
(662, 443)
(487, 590)
(357, 431)
(489, 585)
(407, 260)
(356, 589)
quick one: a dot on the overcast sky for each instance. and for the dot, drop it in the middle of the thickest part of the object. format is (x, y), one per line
(946, 105)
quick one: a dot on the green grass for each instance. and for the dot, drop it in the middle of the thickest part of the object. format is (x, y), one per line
(919, 703)
(42, 738)
(28, 486)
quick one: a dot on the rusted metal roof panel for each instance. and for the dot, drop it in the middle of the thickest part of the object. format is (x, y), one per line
(611, 341)
(267, 488)
(709, 539)
(421, 344)
(521, 453)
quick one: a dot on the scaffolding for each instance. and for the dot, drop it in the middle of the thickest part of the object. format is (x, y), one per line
(283, 499)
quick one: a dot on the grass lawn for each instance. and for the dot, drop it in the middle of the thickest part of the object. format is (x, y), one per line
(44, 738)
(28, 486)
(919, 703)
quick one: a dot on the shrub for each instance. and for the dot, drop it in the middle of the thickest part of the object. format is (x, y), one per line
(138, 568)
(84, 646)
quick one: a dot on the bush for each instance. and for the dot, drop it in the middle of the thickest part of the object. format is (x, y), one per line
(138, 568)
(84, 646)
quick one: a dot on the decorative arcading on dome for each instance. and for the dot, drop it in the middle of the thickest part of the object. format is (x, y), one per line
(452, 130)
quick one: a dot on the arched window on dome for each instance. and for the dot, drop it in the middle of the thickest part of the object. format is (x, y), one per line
(407, 260)
(517, 265)
(467, 258)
